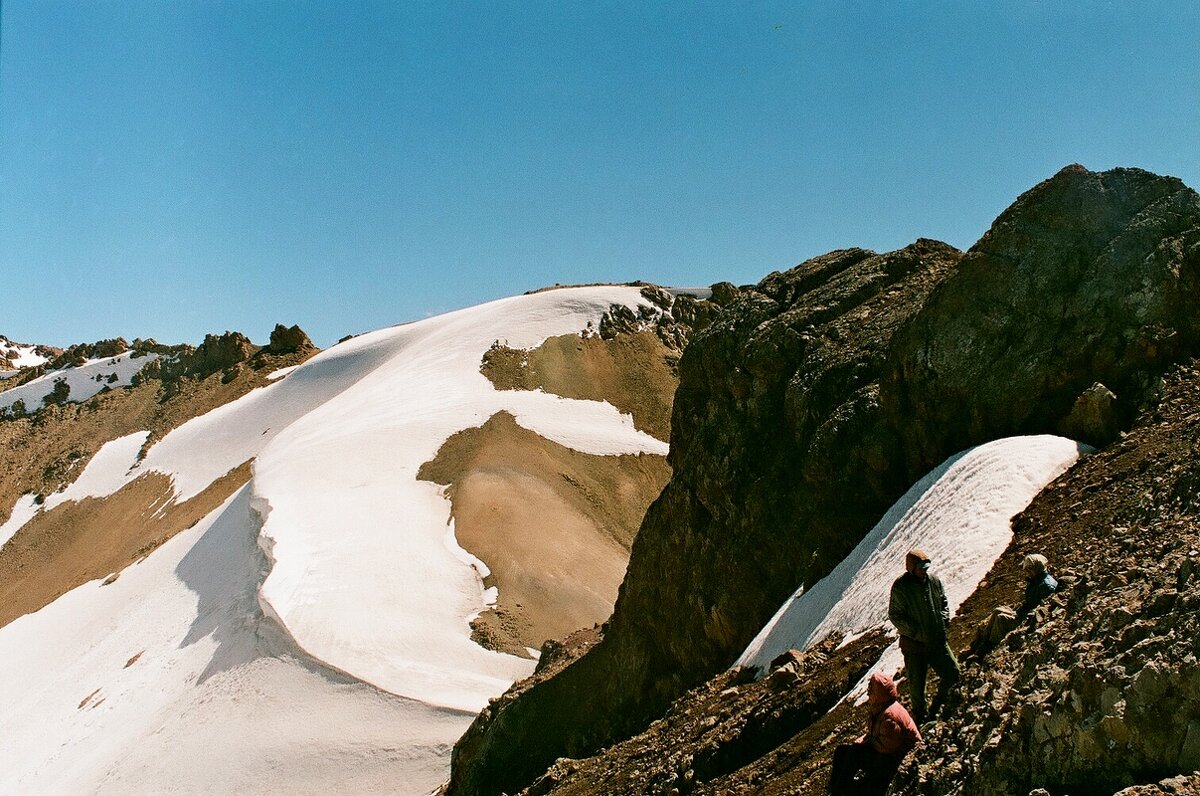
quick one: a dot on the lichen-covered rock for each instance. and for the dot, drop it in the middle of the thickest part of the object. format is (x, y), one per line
(1093, 418)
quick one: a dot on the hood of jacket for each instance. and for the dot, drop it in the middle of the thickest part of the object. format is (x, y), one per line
(881, 692)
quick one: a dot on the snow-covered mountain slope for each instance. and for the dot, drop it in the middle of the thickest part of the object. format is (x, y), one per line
(313, 631)
(959, 514)
(14, 356)
(82, 381)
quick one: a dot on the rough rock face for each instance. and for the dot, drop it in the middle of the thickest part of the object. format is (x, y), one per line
(216, 353)
(1086, 278)
(817, 397)
(78, 354)
(1093, 691)
(286, 340)
(789, 367)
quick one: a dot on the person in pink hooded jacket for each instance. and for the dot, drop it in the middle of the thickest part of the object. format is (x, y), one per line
(866, 767)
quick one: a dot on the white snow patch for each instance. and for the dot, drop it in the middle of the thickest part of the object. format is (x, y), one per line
(959, 514)
(279, 374)
(107, 471)
(21, 355)
(84, 381)
(595, 427)
(24, 510)
(169, 678)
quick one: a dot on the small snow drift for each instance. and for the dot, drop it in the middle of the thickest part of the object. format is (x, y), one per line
(959, 513)
(19, 355)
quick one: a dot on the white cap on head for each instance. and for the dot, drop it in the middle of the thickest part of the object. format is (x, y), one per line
(1035, 563)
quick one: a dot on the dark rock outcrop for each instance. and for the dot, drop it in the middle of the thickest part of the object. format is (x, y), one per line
(1088, 277)
(78, 354)
(819, 395)
(287, 340)
(217, 353)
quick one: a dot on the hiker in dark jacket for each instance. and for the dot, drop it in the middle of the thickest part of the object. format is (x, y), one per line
(921, 615)
(1039, 585)
(866, 767)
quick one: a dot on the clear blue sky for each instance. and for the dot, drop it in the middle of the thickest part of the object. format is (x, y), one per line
(173, 168)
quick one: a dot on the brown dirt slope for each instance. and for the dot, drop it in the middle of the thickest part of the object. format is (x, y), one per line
(634, 372)
(554, 526)
(77, 542)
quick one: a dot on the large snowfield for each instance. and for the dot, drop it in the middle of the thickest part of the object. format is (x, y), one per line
(312, 634)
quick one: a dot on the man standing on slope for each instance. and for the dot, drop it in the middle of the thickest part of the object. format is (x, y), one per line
(920, 613)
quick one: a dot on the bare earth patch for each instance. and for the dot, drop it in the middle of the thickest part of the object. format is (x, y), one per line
(77, 542)
(633, 372)
(554, 526)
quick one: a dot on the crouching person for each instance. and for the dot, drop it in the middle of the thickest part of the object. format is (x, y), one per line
(866, 767)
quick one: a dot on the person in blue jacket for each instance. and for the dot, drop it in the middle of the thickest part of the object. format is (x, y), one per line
(1039, 583)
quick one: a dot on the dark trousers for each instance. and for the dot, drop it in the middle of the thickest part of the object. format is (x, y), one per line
(859, 770)
(918, 658)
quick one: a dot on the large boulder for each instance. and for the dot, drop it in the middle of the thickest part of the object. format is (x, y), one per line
(817, 397)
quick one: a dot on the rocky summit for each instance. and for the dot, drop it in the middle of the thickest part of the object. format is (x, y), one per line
(818, 396)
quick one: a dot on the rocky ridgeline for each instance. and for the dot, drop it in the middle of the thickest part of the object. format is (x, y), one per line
(674, 318)
(43, 448)
(226, 354)
(818, 396)
(10, 352)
